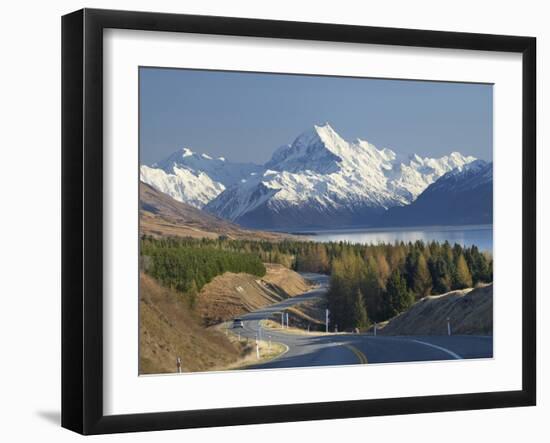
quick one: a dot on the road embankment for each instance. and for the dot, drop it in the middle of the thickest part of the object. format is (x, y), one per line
(230, 295)
(465, 312)
(169, 329)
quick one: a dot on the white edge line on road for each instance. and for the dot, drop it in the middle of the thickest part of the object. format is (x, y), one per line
(274, 358)
(282, 353)
(451, 353)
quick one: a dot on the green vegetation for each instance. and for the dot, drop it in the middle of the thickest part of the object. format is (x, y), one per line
(187, 265)
(369, 283)
(393, 277)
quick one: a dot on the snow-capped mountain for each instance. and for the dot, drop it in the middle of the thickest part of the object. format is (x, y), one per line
(464, 178)
(461, 196)
(218, 169)
(194, 178)
(319, 180)
(182, 184)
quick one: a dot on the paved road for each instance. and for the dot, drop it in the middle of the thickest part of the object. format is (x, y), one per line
(347, 349)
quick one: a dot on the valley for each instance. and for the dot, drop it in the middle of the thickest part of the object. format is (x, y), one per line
(171, 327)
(325, 229)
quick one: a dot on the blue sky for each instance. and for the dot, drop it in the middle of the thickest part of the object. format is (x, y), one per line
(246, 116)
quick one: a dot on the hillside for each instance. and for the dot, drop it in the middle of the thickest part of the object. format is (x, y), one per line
(470, 312)
(462, 196)
(161, 215)
(230, 295)
(168, 329)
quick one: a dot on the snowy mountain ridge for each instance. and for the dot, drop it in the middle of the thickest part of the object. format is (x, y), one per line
(194, 178)
(462, 196)
(319, 178)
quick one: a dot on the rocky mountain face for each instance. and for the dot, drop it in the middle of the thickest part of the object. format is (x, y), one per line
(319, 180)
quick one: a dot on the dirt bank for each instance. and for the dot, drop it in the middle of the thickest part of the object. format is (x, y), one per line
(230, 295)
(470, 312)
(170, 329)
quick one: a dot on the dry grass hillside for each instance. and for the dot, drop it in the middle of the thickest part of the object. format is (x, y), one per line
(161, 215)
(230, 295)
(470, 312)
(168, 329)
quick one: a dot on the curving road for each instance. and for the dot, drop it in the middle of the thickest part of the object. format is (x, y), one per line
(318, 349)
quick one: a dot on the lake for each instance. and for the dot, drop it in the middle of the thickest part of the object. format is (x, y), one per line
(479, 235)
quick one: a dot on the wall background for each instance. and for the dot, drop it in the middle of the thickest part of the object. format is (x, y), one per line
(30, 218)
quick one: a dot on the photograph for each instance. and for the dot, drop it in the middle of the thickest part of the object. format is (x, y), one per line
(294, 221)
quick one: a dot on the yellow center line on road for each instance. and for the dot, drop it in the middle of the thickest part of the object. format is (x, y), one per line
(360, 356)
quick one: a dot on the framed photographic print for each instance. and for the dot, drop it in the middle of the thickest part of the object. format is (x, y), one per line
(269, 221)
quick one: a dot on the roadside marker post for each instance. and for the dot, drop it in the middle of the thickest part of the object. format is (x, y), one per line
(448, 326)
(375, 329)
(282, 320)
(178, 364)
(327, 312)
(287, 320)
(257, 348)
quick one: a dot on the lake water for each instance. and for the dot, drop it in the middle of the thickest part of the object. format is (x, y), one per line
(479, 235)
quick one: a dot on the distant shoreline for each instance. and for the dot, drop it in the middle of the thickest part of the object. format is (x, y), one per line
(466, 235)
(387, 229)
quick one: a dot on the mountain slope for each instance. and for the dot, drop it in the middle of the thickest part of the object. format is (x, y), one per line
(183, 185)
(462, 196)
(321, 180)
(161, 215)
(195, 178)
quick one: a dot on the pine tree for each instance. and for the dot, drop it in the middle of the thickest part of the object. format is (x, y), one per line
(397, 297)
(441, 276)
(322, 258)
(463, 278)
(359, 316)
(422, 278)
(192, 295)
(411, 263)
(485, 271)
(372, 289)
(396, 257)
(383, 268)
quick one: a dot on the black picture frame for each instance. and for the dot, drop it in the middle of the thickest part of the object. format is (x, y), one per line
(82, 218)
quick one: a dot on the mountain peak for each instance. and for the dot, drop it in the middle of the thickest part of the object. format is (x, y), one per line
(319, 149)
(324, 128)
(319, 174)
(222, 172)
(328, 135)
(456, 154)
